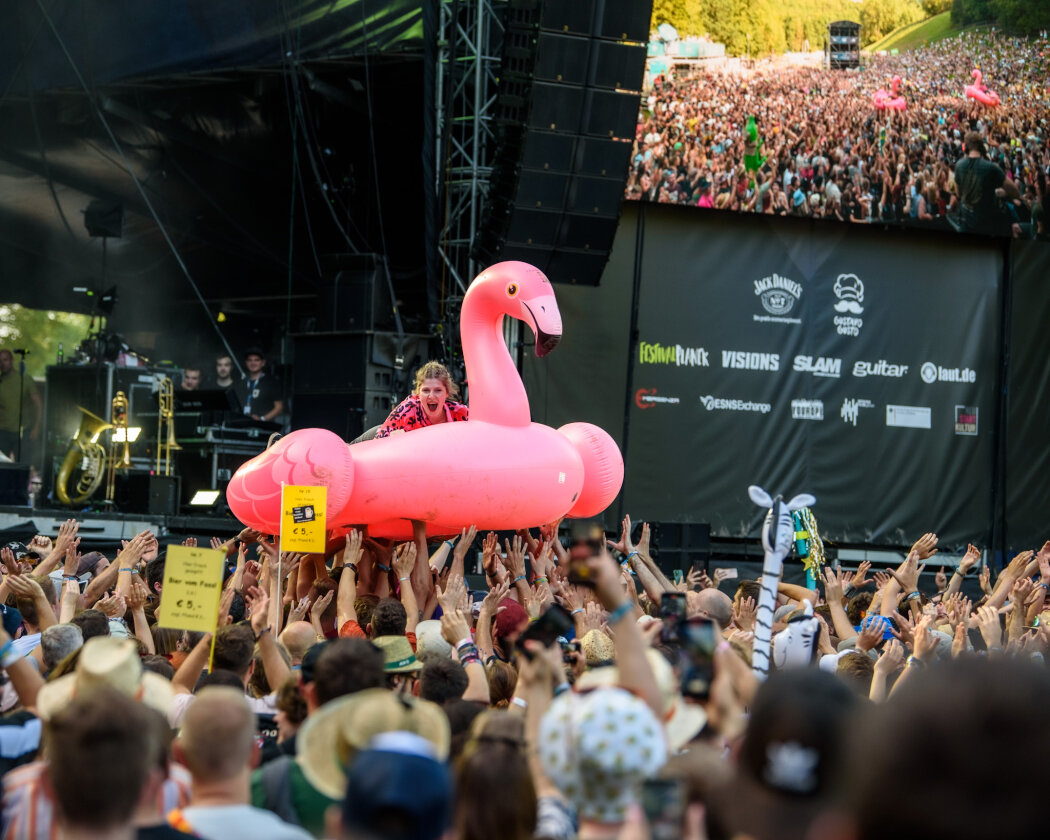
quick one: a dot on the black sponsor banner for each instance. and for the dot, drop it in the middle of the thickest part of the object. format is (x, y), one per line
(1027, 475)
(855, 364)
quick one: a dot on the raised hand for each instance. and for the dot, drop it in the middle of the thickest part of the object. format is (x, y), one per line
(984, 577)
(969, 559)
(833, 585)
(466, 540)
(940, 579)
(113, 605)
(991, 629)
(514, 562)
(643, 540)
(891, 658)
(925, 646)
(1020, 591)
(872, 635)
(593, 618)
(694, 579)
(489, 553)
(744, 614)
(138, 595)
(190, 542)
(300, 609)
(450, 598)
(959, 641)
(7, 557)
(258, 602)
(706, 582)
(925, 546)
(881, 579)
(624, 546)
(318, 607)
(860, 577)
(352, 552)
(491, 603)
(454, 627)
(218, 544)
(405, 559)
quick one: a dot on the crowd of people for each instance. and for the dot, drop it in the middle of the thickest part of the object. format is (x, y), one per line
(829, 153)
(370, 693)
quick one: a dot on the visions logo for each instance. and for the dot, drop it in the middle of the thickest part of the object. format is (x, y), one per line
(740, 360)
(720, 404)
(849, 290)
(778, 295)
(807, 409)
(931, 373)
(673, 354)
(850, 411)
(647, 397)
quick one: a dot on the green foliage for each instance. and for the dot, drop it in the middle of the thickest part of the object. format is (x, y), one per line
(40, 331)
(1017, 16)
(878, 18)
(774, 25)
(936, 7)
(908, 37)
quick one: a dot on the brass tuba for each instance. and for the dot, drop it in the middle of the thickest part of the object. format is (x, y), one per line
(81, 470)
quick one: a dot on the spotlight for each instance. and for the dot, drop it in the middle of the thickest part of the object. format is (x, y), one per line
(204, 498)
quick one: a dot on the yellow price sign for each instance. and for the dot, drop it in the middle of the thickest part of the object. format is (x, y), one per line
(192, 588)
(303, 518)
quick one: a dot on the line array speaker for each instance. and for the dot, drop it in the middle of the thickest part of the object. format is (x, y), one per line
(567, 110)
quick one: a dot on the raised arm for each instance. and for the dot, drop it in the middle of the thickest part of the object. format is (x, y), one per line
(404, 563)
(344, 607)
(456, 632)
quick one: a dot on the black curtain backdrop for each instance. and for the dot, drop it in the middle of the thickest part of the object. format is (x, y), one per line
(1027, 474)
(856, 364)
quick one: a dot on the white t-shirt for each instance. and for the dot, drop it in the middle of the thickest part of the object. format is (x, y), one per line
(240, 822)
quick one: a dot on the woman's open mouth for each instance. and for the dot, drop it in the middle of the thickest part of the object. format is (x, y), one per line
(432, 406)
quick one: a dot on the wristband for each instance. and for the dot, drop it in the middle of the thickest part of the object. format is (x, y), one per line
(71, 577)
(625, 609)
(521, 704)
(915, 663)
(561, 689)
(259, 635)
(466, 640)
(381, 566)
(960, 572)
(577, 610)
(520, 577)
(353, 568)
(541, 577)
(450, 544)
(1045, 586)
(627, 559)
(402, 578)
(912, 596)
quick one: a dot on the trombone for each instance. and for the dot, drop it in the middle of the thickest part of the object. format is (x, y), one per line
(165, 417)
(119, 421)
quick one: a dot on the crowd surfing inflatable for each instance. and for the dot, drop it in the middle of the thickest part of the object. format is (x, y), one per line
(778, 536)
(979, 92)
(884, 100)
(498, 470)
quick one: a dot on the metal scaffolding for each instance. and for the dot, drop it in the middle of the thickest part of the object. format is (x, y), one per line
(470, 40)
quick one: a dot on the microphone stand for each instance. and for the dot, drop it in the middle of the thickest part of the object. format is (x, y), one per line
(21, 400)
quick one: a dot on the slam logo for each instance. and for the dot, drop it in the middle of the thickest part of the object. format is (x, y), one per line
(849, 290)
(647, 397)
(819, 366)
(778, 296)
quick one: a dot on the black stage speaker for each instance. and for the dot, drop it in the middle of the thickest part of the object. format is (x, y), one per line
(137, 491)
(569, 93)
(14, 484)
(356, 295)
(347, 382)
(103, 217)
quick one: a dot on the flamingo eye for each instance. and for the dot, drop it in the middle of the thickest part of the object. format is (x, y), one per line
(512, 289)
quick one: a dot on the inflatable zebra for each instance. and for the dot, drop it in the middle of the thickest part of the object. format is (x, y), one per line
(778, 535)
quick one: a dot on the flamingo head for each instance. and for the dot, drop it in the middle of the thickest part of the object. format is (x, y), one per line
(976, 75)
(522, 291)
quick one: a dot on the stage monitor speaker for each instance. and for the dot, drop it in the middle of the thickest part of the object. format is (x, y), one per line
(355, 294)
(137, 491)
(348, 414)
(14, 484)
(567, 111)
(335, 362)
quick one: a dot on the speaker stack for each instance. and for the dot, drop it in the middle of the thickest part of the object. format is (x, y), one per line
(568, 100)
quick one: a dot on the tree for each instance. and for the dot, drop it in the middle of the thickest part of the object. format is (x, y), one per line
(40, 332)
(880, 17)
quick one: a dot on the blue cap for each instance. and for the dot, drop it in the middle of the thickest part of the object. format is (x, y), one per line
(397, 790)
(888, 628)
(11, 619)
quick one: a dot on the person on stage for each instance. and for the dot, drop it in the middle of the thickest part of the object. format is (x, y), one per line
(429, 403)
(259, 395)
(16, 390)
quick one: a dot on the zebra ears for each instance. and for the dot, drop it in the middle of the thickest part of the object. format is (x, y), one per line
(760, 497)
(800, 501)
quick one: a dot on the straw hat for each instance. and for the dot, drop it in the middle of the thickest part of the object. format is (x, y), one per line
(333, 734)
(398, 656)
(112, 663)
(682, 721)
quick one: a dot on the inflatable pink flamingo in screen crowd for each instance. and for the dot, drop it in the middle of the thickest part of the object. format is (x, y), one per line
(981, 93)
(498, 471)
(884, 100)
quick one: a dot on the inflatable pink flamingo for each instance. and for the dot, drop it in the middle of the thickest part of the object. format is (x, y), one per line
(884, 100)
(979, 92)
(498, 471)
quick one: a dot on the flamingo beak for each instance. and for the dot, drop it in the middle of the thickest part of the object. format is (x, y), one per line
(542, 315)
